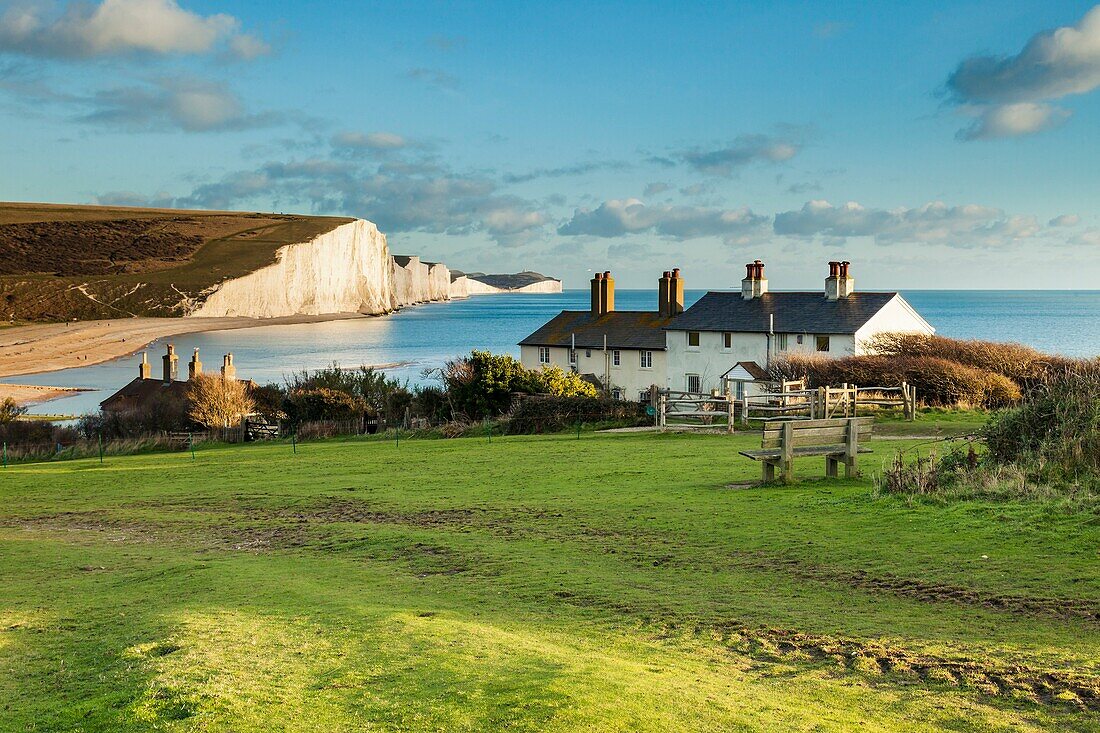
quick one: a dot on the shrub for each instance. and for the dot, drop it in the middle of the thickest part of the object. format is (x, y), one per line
(550, 414)
(35, 432)
(386, 396)
(217, 402)
(553, 380)
(1025, 366)
(938, 381)
(481, 384)
(10, 410)
(1055, 432)
(304, 405)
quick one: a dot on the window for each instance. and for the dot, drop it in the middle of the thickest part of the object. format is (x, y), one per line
(727, 340)
(822, 343)
(572, 356)
(616, 394)
(616, 358)
(693, 338)
(782, 342)
(544, 355)
(647, 360)
(694, 384)
(588, 353)
(799, 339)
(643, 396)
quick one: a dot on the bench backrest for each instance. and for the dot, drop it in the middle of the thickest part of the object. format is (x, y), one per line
(807, 433)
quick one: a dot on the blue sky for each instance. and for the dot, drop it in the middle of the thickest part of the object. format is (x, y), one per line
(933, 147)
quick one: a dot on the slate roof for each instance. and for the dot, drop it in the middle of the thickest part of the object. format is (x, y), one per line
(624, 330)
(794, 312)
(141, 392)
(751, 368)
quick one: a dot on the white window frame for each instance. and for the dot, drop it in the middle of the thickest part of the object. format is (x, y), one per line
(828, 344)
(544, 355)
(688, 378)
(645, 359)
(698, 339)
(616, 358)
(616, 393)
(782, 342)
(727, 341)
(573, 356)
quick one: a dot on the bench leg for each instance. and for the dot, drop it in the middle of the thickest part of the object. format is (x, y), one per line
(786, 470)
(769, 471)
(851, 467)
(832, 467)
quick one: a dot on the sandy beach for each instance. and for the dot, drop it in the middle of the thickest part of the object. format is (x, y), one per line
(52, 346)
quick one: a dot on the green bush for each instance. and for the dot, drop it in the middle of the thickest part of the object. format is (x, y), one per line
(305, 405)
(553, 380)
(1055, 432)
(551, 414)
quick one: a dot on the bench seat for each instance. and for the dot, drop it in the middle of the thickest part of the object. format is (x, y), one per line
(812, 450)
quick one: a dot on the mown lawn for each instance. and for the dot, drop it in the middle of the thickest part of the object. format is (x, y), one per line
(611, 582)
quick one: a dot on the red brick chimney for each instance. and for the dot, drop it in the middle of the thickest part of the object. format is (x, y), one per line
(755, 284)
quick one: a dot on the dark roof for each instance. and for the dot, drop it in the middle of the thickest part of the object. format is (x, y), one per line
(794, 312)
(141, 392)
(624, 330)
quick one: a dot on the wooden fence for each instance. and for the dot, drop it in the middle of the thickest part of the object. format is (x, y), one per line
(690, 410)
(826, 402)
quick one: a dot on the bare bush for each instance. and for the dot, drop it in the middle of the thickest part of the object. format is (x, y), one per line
(217, 402)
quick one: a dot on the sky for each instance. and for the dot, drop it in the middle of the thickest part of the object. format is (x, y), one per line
(933, 145)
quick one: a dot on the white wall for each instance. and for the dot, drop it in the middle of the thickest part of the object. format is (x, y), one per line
(629, 376)
(710, 360)
(897, 316)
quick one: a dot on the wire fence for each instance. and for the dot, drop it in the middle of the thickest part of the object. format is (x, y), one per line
(575, 422)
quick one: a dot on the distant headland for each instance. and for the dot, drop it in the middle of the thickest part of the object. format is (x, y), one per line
(65, 262)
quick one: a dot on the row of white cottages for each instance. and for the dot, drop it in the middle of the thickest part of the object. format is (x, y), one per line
(725, 341)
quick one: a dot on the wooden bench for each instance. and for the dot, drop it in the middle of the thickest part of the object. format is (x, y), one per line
(837, 439)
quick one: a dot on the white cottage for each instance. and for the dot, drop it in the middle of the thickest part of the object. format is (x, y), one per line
(623, 350)
(756, 326)
(726, 340)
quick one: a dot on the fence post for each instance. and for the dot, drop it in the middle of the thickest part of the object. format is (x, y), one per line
(5, 454)
(730, 413)
(100, 436)
(294, 441)
(488, 431)
(578, 428)
(191, 444)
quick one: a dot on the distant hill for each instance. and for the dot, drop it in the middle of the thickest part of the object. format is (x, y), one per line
(527, 281)
(62, 262)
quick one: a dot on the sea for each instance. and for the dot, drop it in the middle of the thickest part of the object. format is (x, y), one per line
(413, 342)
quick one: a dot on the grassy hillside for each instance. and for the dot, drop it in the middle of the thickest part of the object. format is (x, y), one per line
(60, 262)
(531, 583)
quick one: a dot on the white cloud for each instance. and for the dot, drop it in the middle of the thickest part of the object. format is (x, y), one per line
(373, 141)
(1013, 90)
(1014, 120)
(1065, 220)
(616, 218)
(119, 27)
(968, 225)
(192, 105)
(745, 149)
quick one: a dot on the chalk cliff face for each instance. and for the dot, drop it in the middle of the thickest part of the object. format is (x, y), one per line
(349, 269)
(476, 287)
(345, 270)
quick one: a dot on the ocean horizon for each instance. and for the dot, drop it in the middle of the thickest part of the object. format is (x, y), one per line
(423, 337)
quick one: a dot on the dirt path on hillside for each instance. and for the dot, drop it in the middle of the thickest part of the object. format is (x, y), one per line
(49, 347)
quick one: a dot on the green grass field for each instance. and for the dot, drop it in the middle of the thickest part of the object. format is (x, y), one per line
(611, 582)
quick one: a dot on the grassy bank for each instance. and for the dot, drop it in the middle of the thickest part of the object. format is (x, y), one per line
(531, 583)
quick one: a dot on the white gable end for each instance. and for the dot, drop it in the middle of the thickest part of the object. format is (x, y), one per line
(897, 316)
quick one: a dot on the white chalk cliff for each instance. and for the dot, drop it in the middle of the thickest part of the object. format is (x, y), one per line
(346, 270)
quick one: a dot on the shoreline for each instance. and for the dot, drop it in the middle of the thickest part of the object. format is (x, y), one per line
(51, 347)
